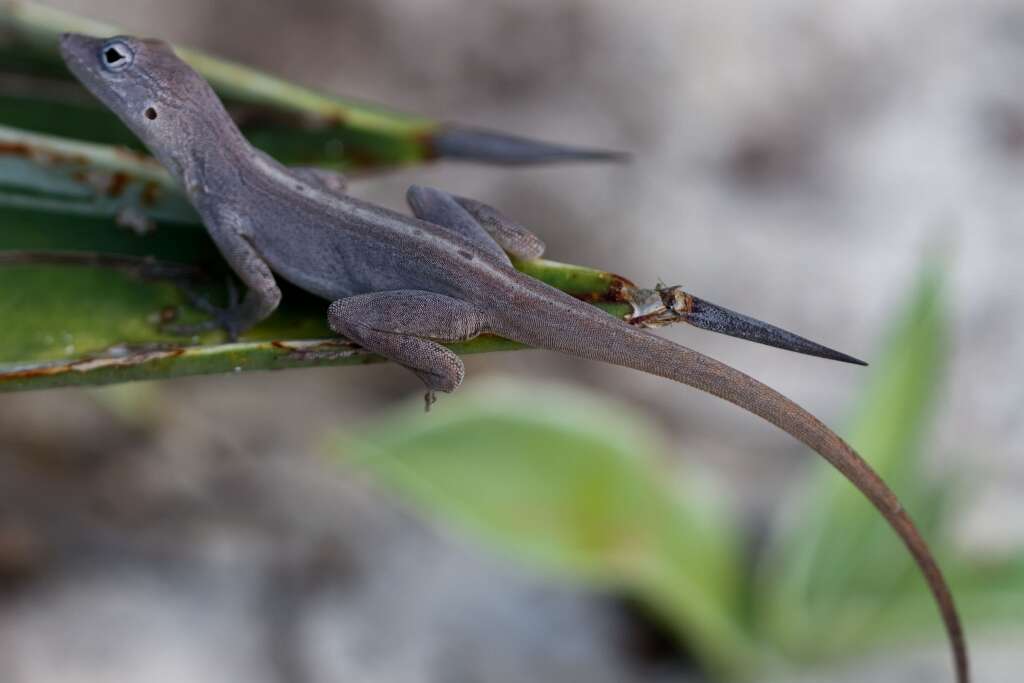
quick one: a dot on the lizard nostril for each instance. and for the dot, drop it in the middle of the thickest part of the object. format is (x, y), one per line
(150, 113)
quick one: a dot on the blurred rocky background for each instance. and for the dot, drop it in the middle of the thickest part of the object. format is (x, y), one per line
(793, 160)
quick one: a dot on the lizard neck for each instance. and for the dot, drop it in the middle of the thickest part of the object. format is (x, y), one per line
(211, 161)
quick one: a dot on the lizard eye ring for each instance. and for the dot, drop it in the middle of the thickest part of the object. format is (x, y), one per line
(115, 55)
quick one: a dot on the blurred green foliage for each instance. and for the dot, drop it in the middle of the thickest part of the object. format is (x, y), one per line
(565, 480)
(574, 484)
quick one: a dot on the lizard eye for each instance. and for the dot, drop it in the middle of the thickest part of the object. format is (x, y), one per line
(115, 55)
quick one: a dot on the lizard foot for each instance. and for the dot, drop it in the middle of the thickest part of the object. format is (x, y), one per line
(228, 318)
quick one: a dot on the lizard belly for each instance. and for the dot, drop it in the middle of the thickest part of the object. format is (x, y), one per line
(337, 268)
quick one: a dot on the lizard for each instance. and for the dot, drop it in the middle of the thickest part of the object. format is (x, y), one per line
(402, 286)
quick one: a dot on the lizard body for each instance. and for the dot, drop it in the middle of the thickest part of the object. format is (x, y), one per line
(402, 286)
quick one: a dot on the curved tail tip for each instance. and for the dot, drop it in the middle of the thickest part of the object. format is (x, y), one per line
(709, 316)
(474, 144)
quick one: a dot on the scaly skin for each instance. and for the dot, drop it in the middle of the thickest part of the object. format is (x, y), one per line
(400, 285)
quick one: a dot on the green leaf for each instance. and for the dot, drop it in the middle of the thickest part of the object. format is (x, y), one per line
(989, 594)
(838, 571)
(56, 174)
(568, 483)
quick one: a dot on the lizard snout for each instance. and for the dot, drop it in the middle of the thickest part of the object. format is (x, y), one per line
(78, 46)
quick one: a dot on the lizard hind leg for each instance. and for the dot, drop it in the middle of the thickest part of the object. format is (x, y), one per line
(480, 222)
(408, 327)
(440, 208)
(511, 235)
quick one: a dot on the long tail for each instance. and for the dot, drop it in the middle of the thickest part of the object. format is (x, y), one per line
(558, 322)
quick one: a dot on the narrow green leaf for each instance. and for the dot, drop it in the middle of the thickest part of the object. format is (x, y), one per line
(989, 595)
(838, 571)
(60, 175)
(568, 483)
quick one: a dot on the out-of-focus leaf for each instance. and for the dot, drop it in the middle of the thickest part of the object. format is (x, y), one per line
(567, 481)
(837, 571)
(296, 124)
(59, 175)
(989, 595)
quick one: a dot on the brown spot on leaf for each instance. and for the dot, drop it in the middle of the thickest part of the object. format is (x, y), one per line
(618, 291)
(425, 142)
(150, 194)
(118, 182)
(17, 149)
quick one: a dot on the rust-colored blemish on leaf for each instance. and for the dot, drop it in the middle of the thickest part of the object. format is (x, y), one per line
(618, 291)
(42, 155)
(90, 365)
(118, 182)
(15, 149)
(150, 193)
(425, 142)
(360, 158)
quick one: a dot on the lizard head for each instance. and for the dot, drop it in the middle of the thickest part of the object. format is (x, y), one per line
(158, 96)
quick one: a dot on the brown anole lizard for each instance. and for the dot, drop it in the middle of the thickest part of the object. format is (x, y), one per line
(401, 286)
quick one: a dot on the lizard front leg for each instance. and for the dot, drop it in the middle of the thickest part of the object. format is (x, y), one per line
(406, 326)
(262, 294)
